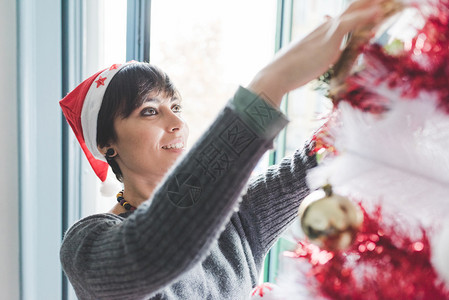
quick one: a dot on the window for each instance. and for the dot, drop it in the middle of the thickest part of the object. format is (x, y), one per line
(306, 105)
(103, 43)
(209, 48)
(303, 106)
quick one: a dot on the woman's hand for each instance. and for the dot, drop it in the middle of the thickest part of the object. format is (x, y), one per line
(310, 57)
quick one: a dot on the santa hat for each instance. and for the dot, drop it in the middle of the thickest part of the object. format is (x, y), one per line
(81, 107)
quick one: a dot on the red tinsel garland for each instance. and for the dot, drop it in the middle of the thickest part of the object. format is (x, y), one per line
(382, 263)
(422, 68)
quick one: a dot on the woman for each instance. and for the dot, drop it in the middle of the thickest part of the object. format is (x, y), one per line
(189, 237)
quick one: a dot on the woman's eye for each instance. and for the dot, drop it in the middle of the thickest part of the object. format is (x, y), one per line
(148, 111)
(177, 108)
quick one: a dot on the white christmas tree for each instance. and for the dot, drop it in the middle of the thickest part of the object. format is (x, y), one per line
(385, 148)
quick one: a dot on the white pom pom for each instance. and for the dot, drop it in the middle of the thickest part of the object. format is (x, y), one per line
(440, 259)
(110, 186)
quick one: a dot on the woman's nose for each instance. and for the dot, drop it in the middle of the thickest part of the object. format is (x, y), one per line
(175, 122)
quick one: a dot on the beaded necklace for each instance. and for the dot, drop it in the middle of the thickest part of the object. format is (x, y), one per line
(122, 201)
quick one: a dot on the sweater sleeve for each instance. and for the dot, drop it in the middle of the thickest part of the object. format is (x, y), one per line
(108, 257)
(271, 200)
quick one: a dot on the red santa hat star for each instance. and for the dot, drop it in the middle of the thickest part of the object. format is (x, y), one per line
(81, 107)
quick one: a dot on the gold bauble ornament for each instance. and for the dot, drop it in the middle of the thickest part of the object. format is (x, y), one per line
(329, 220)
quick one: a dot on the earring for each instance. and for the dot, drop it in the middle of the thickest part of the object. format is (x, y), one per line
(110, 153)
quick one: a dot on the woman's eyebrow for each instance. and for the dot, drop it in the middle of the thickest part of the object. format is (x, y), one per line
(150, 99)
(158, 100)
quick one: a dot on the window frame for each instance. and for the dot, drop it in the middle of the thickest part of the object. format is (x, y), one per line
(40, 152)
(283, 37)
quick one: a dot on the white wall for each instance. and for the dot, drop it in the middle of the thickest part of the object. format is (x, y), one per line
(9, 221)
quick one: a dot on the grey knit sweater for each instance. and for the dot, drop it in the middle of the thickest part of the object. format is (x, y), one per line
(189, 241)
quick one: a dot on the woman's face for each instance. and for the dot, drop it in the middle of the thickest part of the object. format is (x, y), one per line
(151, 138)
